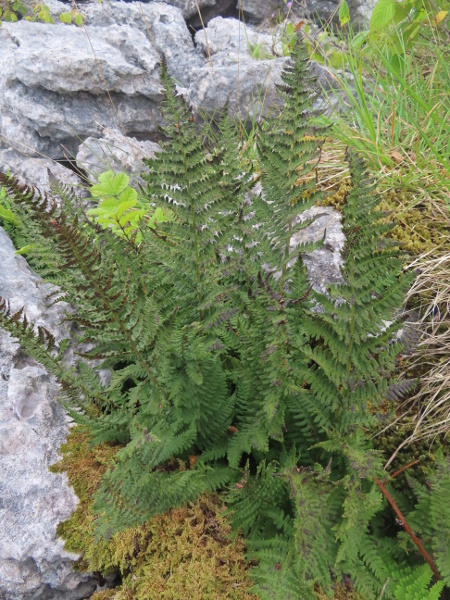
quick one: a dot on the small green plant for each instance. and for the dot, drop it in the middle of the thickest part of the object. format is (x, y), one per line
(12, 11)
(40, 12)
(120, 207)
(399, 24)
(74, 16)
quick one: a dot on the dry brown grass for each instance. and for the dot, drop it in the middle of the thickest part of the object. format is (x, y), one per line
(430, 359)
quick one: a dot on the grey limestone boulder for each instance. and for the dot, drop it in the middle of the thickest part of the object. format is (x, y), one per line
(33, 563)
(322, 10)
(259, 11)
(198, 16)
(324, 264)
(245, 83)
(189, 7)
(40, 172)
(58, 87)
(116, 152)
(237, 78)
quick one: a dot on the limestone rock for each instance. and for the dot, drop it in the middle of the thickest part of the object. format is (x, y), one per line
(33, 563)
(259, 11)
(117, 152)
(40, 172)
(323, 264)
(53, 87)
(246, 83)
(234, 37)
(189, 7)
(321, 10)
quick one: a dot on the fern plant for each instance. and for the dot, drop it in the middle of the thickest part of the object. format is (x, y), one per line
(229, 372)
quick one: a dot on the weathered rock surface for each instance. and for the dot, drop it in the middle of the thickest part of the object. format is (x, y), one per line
(53, 83)
(33, 563)
(259, 11)
(246, 84)
(208, 10)
(40, 172)
(189, 7)
(322, 10)
(117, 152)
(323, 264)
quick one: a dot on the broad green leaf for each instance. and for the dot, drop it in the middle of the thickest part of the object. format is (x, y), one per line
(7, 215)
(344, 13)
(128, 194)
(440, 16)
(65, 17)
(132, 217)
(78, 20)
(106, 220)
(337, 59)
(359, 40)
(25, 249)
(110, 184)
(290, 29)
(382, 15)
(160, 216)
(318, 58)
(123, 207)
(107, 207)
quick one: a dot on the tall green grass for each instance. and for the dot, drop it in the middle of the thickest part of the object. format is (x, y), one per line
(398, 115)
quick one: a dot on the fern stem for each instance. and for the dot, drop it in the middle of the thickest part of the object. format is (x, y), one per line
(286, 255)
(352, 332)
(416, 462)
(194, 229)
(408, 529)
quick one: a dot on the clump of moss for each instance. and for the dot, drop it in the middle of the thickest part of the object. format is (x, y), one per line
(416, 226)
(337, 198)
(184, 553)
(85, 468)
(420, 450)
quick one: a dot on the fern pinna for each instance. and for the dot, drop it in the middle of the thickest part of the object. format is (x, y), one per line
(228, 371)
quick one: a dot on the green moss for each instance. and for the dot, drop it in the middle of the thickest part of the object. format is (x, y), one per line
(418, 227)
(422, 450)
(185, 553)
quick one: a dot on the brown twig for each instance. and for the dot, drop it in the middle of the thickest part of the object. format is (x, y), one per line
(204, 31)
(408, 529)
(416, 462)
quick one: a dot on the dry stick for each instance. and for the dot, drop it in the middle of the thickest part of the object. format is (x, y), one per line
(150, 34)
(105, 84)
(204, 31)
(416, 462)
(408, 529)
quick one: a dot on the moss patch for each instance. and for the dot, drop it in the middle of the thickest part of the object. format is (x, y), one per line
(418, 227)
(184, 553)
